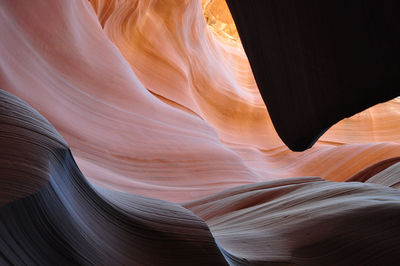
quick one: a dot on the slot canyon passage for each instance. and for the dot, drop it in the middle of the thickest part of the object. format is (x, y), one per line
(199, 132)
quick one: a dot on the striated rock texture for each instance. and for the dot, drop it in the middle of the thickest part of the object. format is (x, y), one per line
(66, 220)
(153, 101)
(305, 221)
(317, 62)
(174, 112)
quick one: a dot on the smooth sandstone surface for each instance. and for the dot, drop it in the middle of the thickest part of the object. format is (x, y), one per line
(305, 221)
(151, 100)
(148, 101)
(295, 221)
(61, 219)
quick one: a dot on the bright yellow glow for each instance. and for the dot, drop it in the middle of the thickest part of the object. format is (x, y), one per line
(219, 18)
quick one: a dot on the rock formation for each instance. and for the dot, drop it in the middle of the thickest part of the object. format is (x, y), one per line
(180, 161)
(317, 62)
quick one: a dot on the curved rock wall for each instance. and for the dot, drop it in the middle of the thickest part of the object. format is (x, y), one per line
(152, 102)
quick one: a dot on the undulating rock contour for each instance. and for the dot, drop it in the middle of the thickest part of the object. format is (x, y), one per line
(132, 132)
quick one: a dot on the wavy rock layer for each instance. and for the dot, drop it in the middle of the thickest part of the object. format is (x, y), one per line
(123, 136)
(24, 152)
(153, 103)
(66, 220)
(192, 70)
(187, 123)
(69, 221)
(305, 221)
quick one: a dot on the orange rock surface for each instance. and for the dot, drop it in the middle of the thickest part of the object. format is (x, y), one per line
(154, 103)
(147, 98)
